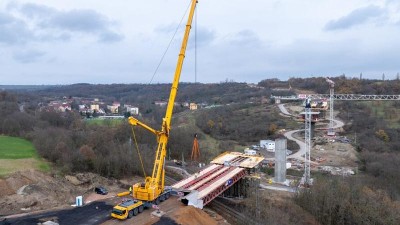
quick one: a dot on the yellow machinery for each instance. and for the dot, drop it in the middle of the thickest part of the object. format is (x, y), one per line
(152, 189)
(127, 209)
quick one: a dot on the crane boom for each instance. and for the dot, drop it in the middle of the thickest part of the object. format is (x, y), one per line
(153, 187)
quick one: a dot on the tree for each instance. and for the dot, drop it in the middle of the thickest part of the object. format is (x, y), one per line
(11, 127)
(382, 135)
(272, 129)
(87, 152)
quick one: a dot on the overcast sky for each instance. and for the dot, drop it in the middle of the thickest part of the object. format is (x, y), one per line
(120, 41)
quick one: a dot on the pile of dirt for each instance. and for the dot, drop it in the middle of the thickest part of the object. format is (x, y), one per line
(5, 189)
(336, 154)
(31, 190)
(190, 215)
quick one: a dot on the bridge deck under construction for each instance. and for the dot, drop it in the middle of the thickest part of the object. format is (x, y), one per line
(224, 171)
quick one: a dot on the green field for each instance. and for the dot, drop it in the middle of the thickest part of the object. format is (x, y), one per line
(386, 110)
(16, 148)
(19, 154)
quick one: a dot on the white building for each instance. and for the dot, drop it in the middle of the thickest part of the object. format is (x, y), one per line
(193, 106)
(113, 108)
(250, 152)
(268, 145)
(94, 107)
(133, 110)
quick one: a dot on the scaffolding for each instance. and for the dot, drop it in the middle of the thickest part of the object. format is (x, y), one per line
(307, 141)
(195, 149)
(331, 132)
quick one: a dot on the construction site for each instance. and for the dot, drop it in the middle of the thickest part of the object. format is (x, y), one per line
(203, 196)
(238, 186)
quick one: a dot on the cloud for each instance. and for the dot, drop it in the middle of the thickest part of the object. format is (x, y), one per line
(13, 30)
(33, 10)
(203, 35)
(166, 29)
(356, 17)
(246, 38)
(110, 37)
(28, 56)
(5, 19)
(87, 21)
(52, 24)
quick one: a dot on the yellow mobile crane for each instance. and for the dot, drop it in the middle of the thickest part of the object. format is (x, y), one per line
(151, 191)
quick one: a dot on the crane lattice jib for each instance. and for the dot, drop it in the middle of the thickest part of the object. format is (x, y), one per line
(349, 97)
(307, 141)
(355, 97)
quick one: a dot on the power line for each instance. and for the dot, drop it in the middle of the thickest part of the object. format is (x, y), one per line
(169, 45)
(195, 49)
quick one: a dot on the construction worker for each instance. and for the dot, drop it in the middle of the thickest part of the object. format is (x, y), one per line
(130, 189)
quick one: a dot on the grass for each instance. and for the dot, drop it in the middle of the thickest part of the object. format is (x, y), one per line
(387, 111)
(16, 148)
(18, 154)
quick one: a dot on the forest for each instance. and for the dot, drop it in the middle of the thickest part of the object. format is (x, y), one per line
(373, 195)
(73, 145)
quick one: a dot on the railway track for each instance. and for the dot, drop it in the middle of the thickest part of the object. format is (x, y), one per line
(229, 213)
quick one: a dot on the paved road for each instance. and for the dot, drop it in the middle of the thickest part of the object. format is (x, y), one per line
(302, 151)
(338, 124)
(280, 188)
(289, 135)
(94, 213)
(97, 213)
(284, 110)
(181, 170)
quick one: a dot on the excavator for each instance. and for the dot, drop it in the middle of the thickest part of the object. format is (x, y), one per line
(152, 190)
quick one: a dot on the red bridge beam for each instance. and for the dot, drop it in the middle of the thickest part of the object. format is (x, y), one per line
(223, 187)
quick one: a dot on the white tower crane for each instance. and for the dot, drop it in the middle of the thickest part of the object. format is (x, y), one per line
(331, 132)
(307, 139)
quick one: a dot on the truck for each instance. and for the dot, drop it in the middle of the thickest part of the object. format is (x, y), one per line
(131, 207)
(153, 191)
(127, 209)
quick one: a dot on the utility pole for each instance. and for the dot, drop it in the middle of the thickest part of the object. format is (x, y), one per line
(183, 161)
(257, 185)
(257, 205)
(355, 138)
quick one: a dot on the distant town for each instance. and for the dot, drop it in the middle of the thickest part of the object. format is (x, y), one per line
(95, 107)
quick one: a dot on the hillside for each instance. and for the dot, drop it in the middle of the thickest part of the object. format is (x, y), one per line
(221, 93)
(237, 115)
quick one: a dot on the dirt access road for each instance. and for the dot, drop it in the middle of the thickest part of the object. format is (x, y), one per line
(290, 135)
